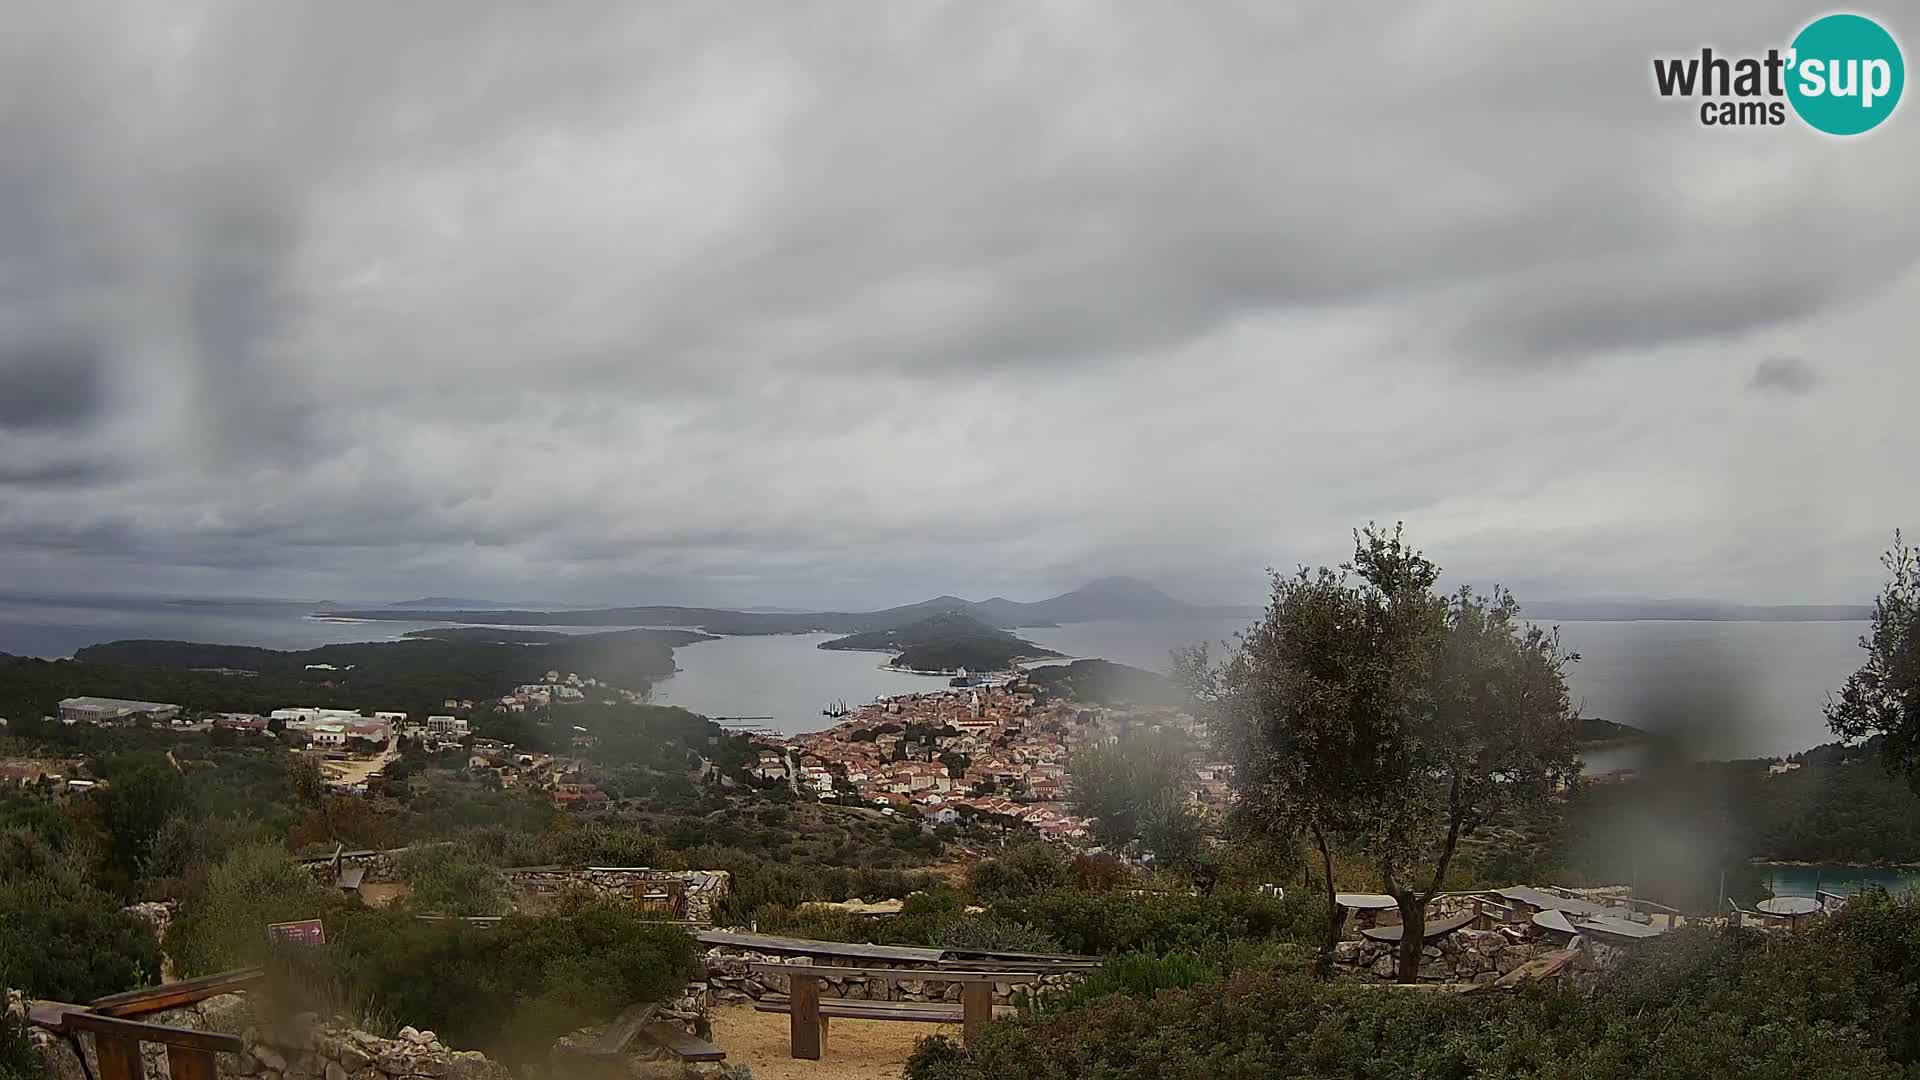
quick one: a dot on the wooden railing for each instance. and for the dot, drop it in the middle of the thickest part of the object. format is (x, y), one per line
(117, 1036)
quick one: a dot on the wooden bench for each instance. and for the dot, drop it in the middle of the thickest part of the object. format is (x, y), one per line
(809, 1013)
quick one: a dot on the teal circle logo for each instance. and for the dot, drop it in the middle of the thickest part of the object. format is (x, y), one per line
(1845, 74)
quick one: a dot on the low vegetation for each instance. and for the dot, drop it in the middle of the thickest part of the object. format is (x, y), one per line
(1837, 1001)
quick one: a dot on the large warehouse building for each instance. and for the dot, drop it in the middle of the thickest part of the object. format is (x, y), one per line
(102, 710)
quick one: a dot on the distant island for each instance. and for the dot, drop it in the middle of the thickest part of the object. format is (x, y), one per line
(949, 641)
(1117, 598)
(1103, 682)
(1107, 598)
(1595, 732)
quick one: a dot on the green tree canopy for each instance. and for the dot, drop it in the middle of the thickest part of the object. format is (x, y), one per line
(1883, 697)
(1367, 710)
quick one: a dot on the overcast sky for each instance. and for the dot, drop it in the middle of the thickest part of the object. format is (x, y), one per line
(854, 303)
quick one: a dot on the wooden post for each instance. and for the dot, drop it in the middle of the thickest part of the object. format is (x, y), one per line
(186, 1063)
(976, 1008)
(119, 1057)
(807, 1027)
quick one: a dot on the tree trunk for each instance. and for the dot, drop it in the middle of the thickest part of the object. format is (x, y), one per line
(1336, 915)
(1413, 936)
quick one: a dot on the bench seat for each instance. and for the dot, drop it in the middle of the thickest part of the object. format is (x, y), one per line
(925, 1012)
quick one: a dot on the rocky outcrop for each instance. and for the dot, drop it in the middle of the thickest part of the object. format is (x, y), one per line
(732, 981)
(157, 916)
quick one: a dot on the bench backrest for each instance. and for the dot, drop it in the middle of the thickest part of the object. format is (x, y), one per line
(766, 967)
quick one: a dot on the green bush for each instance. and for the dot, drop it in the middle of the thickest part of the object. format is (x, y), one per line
(1112, 922)
(1838, 1000)
(226, 927)
(450, 879)
(1137, 975)
(514, 987)
(18, 1059)
(989, 934)
(64, 940)
(1020, 872)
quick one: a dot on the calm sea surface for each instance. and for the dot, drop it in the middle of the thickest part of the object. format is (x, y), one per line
(1743, 689)
(1806, 880)
(1736, 689)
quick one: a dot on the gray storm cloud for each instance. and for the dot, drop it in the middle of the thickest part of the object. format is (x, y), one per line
(826, 305)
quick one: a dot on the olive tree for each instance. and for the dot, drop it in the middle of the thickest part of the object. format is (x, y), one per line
(1375, 715)
(1883, 697)
(1137, 790)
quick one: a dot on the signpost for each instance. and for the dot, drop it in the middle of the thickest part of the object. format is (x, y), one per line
(302, 932)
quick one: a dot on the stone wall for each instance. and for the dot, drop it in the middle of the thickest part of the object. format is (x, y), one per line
(1475, 956)
(731, 981)
(382, 867)
(300, 1049)
(703, 889)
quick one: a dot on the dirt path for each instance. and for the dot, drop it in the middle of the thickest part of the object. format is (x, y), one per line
(357, 770)
(856, 1049)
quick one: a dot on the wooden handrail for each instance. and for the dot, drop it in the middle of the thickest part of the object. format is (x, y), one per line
(175, 994)
(55, 1016)
(116, 1039)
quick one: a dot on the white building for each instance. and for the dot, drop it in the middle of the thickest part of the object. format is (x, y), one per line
(447, 725)
(328, 733)
(303, 719)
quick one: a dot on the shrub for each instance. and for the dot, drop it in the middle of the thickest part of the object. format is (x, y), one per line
(1138, 975)
(1098, 873)
(1020, 872)
(18, 1059)
(1837, 1000)
(1157, 922)
(253, 886)
(986, 933)
(64, 940)
(452, 880)
(512, 988)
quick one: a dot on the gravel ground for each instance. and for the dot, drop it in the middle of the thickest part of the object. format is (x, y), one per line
(856, 1049)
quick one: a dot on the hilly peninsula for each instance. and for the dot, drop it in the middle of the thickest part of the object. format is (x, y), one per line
(945, 642)
(1107, 598)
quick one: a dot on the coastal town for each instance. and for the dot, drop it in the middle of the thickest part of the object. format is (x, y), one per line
(997, 750)
(991, 750)
(352, 748)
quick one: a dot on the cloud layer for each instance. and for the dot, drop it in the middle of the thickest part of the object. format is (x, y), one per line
(845, 303)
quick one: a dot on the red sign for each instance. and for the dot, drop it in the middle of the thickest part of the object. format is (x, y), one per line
(303, 932)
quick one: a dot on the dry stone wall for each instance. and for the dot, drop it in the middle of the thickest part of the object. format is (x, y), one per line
(703, 890)
(382, 867)
(732, 981)
(1475, 956)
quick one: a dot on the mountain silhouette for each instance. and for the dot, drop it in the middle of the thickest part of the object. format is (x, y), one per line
(1104, 598)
